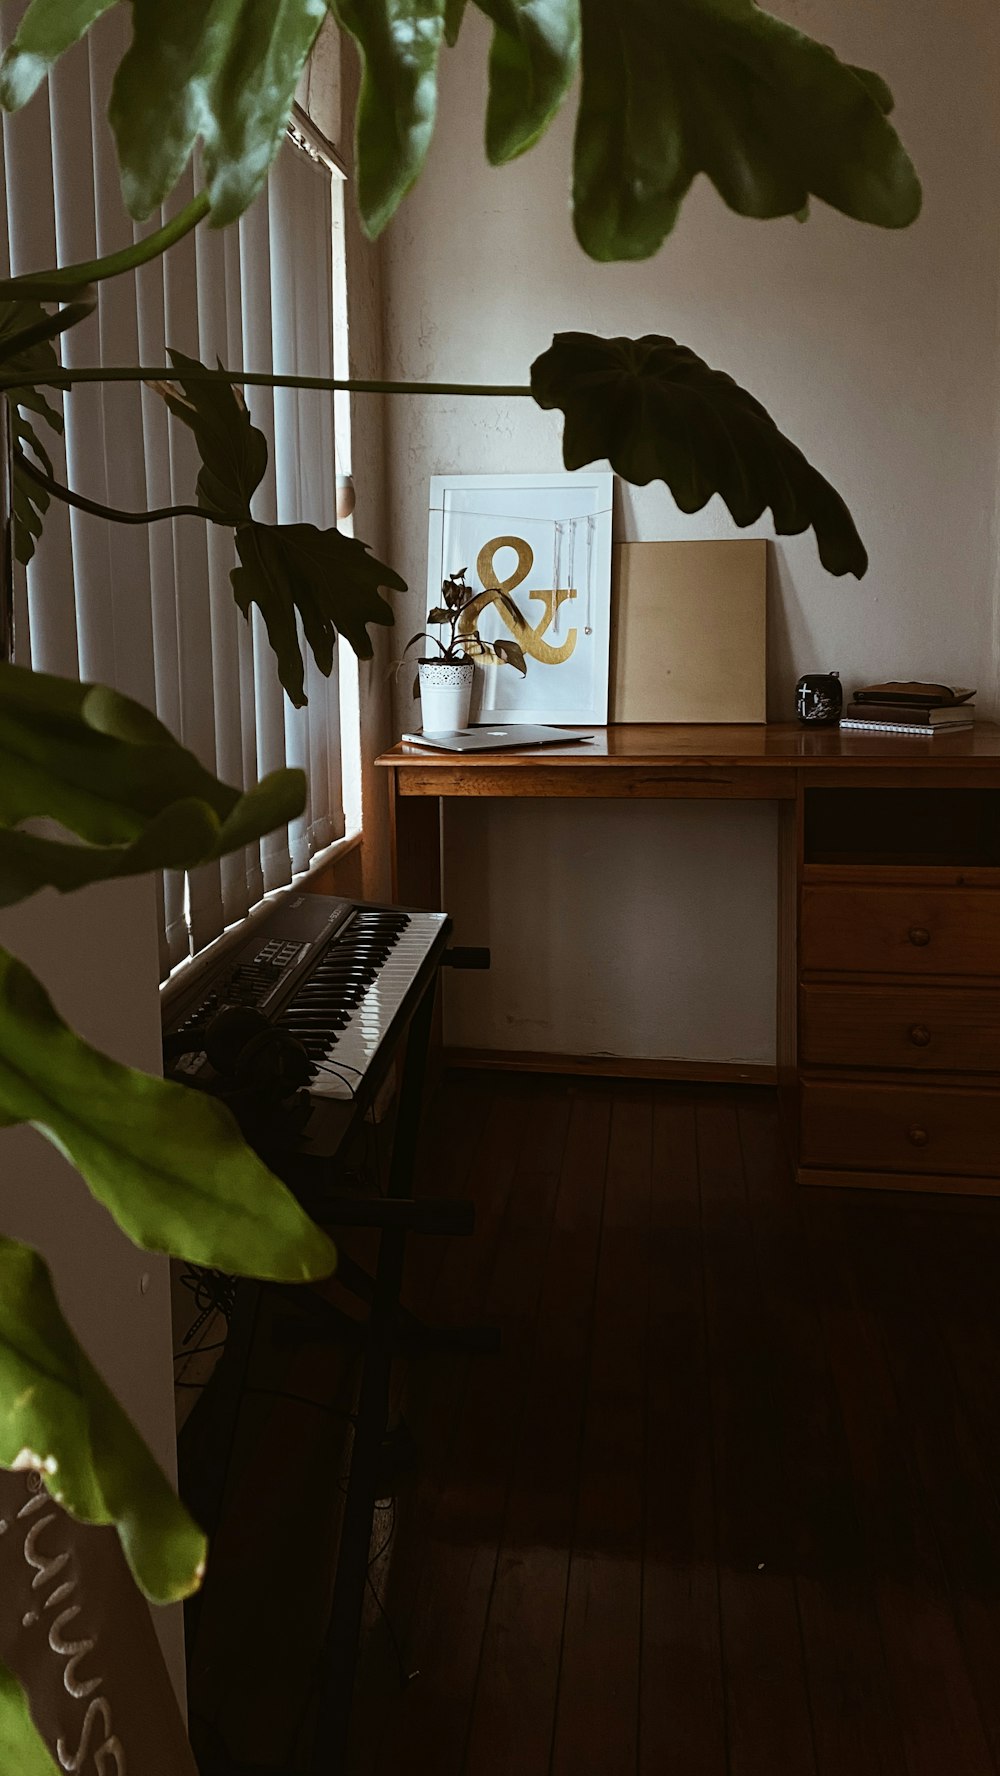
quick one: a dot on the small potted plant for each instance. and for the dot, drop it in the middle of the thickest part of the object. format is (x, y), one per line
(444, 680)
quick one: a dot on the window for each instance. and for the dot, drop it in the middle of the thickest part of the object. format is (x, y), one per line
(150, 609)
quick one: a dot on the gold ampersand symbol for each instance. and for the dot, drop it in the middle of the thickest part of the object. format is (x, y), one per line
(528, 638)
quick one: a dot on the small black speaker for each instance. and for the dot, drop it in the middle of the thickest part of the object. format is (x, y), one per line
(819, 698)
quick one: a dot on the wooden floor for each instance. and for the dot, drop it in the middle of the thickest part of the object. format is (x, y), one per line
(728, 1501)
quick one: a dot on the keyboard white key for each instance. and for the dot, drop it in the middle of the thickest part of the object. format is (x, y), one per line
(344, 1061)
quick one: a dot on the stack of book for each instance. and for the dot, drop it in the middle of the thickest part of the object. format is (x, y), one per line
(910, 709)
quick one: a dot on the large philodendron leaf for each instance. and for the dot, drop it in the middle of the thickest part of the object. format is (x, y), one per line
(454, 12)
(21, 1745)
(169, 1163)
(186, 834)
(47, 29)
(226, 71)
(294, 573)
(720, 87)
(329, 580)
(536, 46)
(670, 88)
(656, 411)
(58, 1417)
(233, 450)
(104, 768)
(399, 42)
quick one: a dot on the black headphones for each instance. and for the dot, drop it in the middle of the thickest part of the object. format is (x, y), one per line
(250, 1053)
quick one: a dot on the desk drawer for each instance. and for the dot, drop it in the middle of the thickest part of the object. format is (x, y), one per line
(901, 930)
(900, 1129)
(901, 1028)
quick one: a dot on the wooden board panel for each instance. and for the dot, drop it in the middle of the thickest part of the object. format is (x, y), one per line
(689, 635)
(501, 1060)
(916, 1028)
(918, 931)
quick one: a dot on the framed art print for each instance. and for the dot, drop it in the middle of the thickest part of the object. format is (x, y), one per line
(545, 542)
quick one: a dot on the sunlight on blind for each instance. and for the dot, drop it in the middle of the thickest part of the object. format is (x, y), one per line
(150, 609)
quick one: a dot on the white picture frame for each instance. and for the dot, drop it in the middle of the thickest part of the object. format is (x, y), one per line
(561, 526)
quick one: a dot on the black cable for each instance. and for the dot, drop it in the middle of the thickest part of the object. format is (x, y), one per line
(405, 1677)
(391, 1508)
(359, 1071)
(214, 1291)
(325, 1067)
(305, 1400)
(199, 1350)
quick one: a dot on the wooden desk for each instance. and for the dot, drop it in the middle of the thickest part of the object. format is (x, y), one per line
(889, 918)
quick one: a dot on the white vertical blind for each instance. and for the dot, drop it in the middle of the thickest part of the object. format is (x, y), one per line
(150, 609)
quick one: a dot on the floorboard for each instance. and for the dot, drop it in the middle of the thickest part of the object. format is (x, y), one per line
(429, 1723)
(682, 1721)
(515, 1704)
(596, 1729)
(728, 1502)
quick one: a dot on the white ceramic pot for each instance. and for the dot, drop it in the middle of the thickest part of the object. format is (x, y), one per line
(445, 695)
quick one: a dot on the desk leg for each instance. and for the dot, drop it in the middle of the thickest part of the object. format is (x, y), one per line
(416, 849)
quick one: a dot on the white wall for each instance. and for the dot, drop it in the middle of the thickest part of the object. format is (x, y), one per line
(876, 351)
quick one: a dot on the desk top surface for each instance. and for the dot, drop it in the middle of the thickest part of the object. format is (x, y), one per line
(776, 744)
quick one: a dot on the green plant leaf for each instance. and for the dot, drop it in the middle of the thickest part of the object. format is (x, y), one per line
(30, 502)
(536, 46)
(104, 768)
(227, 72)
(512, 655)
(58, 1417)
(329, 580)
(47, 30)
(714, 86)
(656, 411)
(399, 42)
(40, 360)
(454, 12)
(233, 450)
(186, 834)
(293, 572)
(167, 1162)
(720, 87)
(21, 1745)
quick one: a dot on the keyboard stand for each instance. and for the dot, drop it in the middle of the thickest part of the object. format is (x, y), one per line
(389, 1330)
(340, 1649)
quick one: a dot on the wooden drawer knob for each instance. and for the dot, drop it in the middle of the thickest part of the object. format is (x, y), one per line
(919, 935)
(917, 1135)
(920, 1036)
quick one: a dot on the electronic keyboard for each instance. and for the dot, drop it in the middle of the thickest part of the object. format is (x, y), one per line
(339, 977)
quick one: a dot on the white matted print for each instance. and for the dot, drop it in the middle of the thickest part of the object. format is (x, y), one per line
(545, 540)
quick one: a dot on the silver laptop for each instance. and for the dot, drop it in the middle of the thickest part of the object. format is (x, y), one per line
(495, 739)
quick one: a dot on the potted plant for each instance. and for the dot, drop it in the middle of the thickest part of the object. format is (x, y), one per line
(444, 680)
